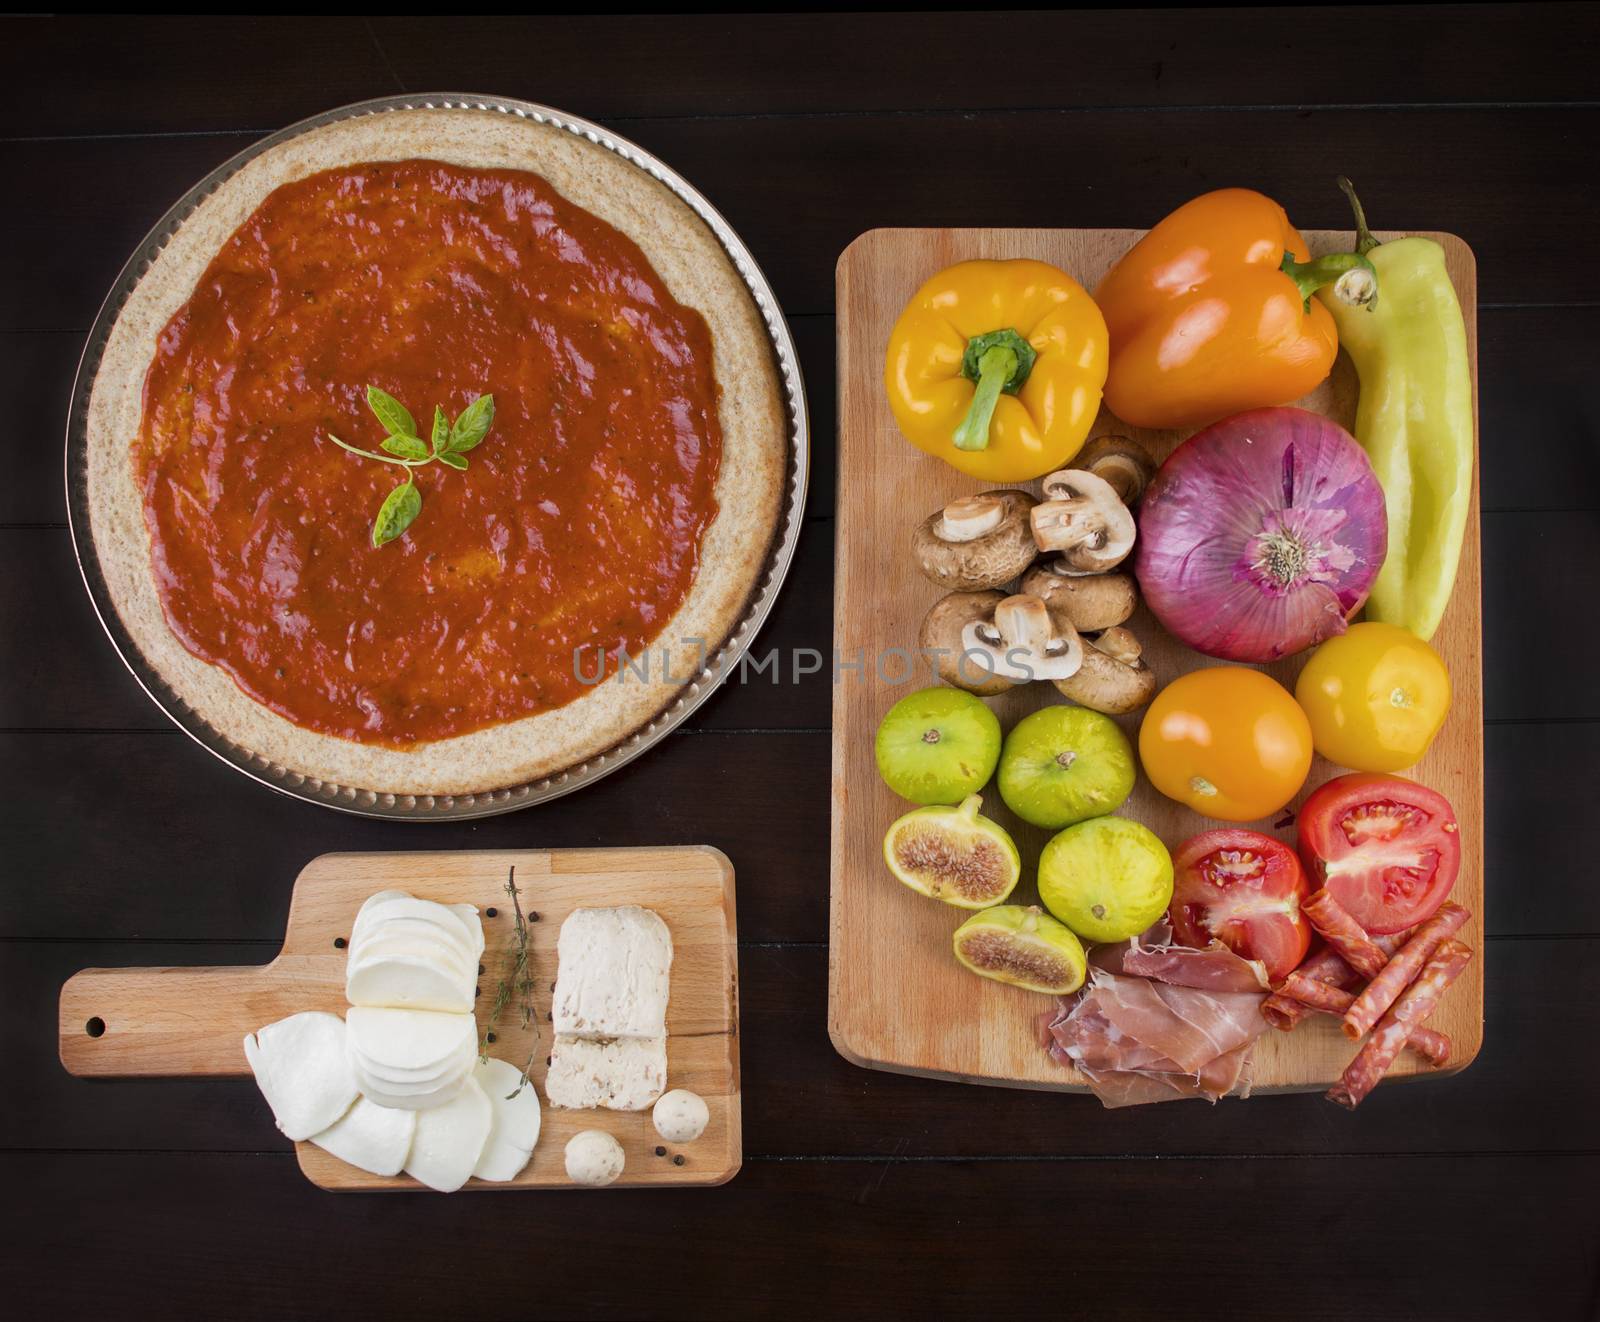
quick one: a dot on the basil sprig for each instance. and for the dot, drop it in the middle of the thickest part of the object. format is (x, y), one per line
(448, 442)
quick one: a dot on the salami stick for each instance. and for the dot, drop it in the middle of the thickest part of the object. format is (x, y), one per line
(1344, 934)
(1431, 1046)
(1414, 1005)
(1285, 1013)
(1380, 993)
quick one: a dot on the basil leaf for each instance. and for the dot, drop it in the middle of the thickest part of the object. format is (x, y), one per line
(441, 430)
(473, 424)
(394, 416)
(407, 447)
(399, 508)
(455, 461)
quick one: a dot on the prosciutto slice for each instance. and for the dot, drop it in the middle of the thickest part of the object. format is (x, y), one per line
(1152, 955)
(1140, 1040)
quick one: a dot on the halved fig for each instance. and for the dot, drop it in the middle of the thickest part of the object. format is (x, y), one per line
(954, 855)
(1023, 946)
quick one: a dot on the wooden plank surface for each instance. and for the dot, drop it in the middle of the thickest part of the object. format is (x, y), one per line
(190, 1022)
(864, 1193)
(897, 999)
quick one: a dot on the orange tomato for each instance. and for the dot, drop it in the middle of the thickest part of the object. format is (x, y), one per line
(1230, 742)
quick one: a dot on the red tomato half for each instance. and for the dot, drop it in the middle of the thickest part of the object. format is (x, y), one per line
(1387, 849)
(1244, 889)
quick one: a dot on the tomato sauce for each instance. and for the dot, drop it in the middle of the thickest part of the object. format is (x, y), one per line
(574, 535)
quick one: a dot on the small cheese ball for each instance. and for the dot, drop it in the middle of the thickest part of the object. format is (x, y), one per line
(593, 1157)
(681, 1116)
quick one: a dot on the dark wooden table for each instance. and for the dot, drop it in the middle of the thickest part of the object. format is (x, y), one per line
(861, 1192)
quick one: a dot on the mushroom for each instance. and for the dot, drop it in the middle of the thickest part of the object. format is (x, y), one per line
(1084, 519)
(1122, 462)
(1092, 602)
(940, 641)
(976, 542)
(1113, 677)
(1023, 642)
(1085, 512)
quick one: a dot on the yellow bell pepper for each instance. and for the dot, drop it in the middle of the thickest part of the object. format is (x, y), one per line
(997, 368)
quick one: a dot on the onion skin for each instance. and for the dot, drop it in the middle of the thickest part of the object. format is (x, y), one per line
(1261, 535)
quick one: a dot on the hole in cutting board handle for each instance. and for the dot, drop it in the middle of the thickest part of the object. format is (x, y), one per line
(339, 943)
(96, 1027)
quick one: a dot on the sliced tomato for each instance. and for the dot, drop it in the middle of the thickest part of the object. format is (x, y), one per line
(1244, 889)
(1388, 849)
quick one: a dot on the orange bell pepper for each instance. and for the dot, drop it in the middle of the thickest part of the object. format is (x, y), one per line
(1210, 313)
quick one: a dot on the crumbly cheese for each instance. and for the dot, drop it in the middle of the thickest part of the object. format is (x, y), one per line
(614, 972)
(619, 1074)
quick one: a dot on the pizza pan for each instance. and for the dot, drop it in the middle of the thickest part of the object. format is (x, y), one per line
(445, 807)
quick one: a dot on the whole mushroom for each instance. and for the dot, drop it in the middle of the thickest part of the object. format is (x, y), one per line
(1023, 642)
(1092, 602)
(976, 542)
(1123, 463)
(941, 641)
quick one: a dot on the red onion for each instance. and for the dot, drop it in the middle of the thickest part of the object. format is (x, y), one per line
(1261, 535)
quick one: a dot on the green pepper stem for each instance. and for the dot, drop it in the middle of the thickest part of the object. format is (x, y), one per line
(1365, 243)
(994, 370)
(1337, 269)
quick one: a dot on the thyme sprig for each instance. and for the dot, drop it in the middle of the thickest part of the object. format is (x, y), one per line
(448, 443)
(516, 984)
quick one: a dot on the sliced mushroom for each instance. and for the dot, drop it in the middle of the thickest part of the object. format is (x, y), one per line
(940, 641)
(1024, 642)
(1085, 520)
(1113, 678)
(1092, 602)
(1123, 463)
(976, 542)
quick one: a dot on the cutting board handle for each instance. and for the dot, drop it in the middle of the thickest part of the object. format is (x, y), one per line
(188, 1021)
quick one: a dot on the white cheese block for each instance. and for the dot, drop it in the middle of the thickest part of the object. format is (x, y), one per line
(303, 1069)
(619, 1074)
(516, 1121)
(371, 1137)
(450, 1139)
(612, 981)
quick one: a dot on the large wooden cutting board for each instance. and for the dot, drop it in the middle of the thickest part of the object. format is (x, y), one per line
(192, 1021)
(897, 998)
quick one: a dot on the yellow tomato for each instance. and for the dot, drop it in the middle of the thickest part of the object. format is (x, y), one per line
(1376, 695)
(1229, 742)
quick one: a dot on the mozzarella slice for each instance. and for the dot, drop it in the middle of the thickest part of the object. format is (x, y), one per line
(450, 1139)
(409, 1040)
(516, 1121)
(613, 976)
(372, 1137)
(412, 1059)
(621, 1074)
(303, 1070)
(416, 920)
(407, 981)
(467, 915)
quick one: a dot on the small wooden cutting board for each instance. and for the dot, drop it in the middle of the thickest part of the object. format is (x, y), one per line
(192, 1021)
(897, 999)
